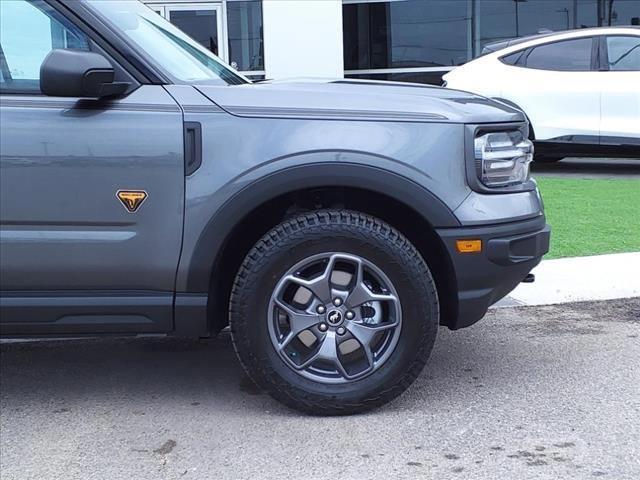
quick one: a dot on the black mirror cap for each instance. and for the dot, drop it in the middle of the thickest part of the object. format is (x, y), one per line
(78, 73)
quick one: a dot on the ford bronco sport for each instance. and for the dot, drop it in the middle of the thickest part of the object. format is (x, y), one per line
(147, 188)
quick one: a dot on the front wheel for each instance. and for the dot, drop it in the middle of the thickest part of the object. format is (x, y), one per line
(333, 312)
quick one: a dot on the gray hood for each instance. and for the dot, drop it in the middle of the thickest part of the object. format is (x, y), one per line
(358, 100)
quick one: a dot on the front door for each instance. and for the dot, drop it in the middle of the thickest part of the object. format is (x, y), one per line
(81, 250)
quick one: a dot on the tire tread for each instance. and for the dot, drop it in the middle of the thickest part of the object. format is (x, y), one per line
(363, 226)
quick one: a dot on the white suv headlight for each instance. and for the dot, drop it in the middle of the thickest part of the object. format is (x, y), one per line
(503, 158)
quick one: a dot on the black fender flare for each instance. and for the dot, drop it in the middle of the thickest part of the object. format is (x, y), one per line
(211, 241)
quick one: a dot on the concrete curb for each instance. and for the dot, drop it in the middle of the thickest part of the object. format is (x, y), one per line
(576, 279)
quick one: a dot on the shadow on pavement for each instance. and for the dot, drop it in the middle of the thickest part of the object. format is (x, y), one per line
(181, 371)
(170, 373)
(138, 374)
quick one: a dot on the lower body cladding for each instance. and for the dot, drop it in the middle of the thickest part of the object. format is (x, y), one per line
(506, 253)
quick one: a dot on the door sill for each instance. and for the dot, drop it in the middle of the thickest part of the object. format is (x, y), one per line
(85, 312)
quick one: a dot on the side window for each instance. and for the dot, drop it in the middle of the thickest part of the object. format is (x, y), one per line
(513, 58)
(29, 30)
(566, 56)
(623, 53)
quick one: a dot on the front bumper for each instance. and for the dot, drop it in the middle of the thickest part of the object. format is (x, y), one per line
(509, 252)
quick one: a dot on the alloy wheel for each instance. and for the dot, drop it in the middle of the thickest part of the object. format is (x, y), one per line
(334, 317)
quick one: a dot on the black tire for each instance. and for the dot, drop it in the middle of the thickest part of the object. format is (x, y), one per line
(542, 158)
(321, 232)
(539, 157)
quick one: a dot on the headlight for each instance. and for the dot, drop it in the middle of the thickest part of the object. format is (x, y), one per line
(503, 158)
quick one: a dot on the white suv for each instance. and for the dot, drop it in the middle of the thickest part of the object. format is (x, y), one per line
(580, 89)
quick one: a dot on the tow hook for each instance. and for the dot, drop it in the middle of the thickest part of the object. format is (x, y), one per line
(530, 278)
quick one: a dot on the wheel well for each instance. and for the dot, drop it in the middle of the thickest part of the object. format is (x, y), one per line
(265, 216)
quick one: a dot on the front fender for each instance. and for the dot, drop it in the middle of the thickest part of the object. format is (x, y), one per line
(225, 209)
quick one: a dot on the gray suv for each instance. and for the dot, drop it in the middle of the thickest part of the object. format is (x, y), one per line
(147, 188)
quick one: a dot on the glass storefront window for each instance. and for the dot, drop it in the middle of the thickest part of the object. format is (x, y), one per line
(431, 78)
(410, 39)
(199, 24)
(501, 20)
(410, 33)
(244, 26)
(620, 12)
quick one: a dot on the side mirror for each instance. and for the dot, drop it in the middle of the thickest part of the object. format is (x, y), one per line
(77, 73)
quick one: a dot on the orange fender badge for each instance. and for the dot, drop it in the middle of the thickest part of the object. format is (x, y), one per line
(131, 199)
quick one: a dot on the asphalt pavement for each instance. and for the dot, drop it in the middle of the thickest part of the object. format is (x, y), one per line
(530, 392)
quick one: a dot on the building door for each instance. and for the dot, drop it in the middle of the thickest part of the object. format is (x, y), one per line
(232, 30)
(159, 9)
(201, 21)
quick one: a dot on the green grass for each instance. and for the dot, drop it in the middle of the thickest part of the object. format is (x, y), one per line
(591, 216)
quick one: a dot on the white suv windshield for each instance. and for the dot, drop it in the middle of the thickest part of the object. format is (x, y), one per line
(182, 58)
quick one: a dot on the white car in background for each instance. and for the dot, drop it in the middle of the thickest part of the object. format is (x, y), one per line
(580, 89)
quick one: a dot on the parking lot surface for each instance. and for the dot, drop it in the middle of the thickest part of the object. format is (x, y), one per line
(531, 392)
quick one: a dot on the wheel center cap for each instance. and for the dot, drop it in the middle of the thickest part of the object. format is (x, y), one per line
(334, 317)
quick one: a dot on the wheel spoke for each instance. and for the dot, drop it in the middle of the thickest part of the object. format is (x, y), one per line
(369, 354)
(287, 340)
(298, 321)
(319, 286)
(327, 351)
(361, 294)
(364, 334)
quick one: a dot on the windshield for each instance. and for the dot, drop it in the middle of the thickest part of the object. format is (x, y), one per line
(180, 57)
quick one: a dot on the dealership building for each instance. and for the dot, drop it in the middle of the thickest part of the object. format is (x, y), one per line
(402, 40)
